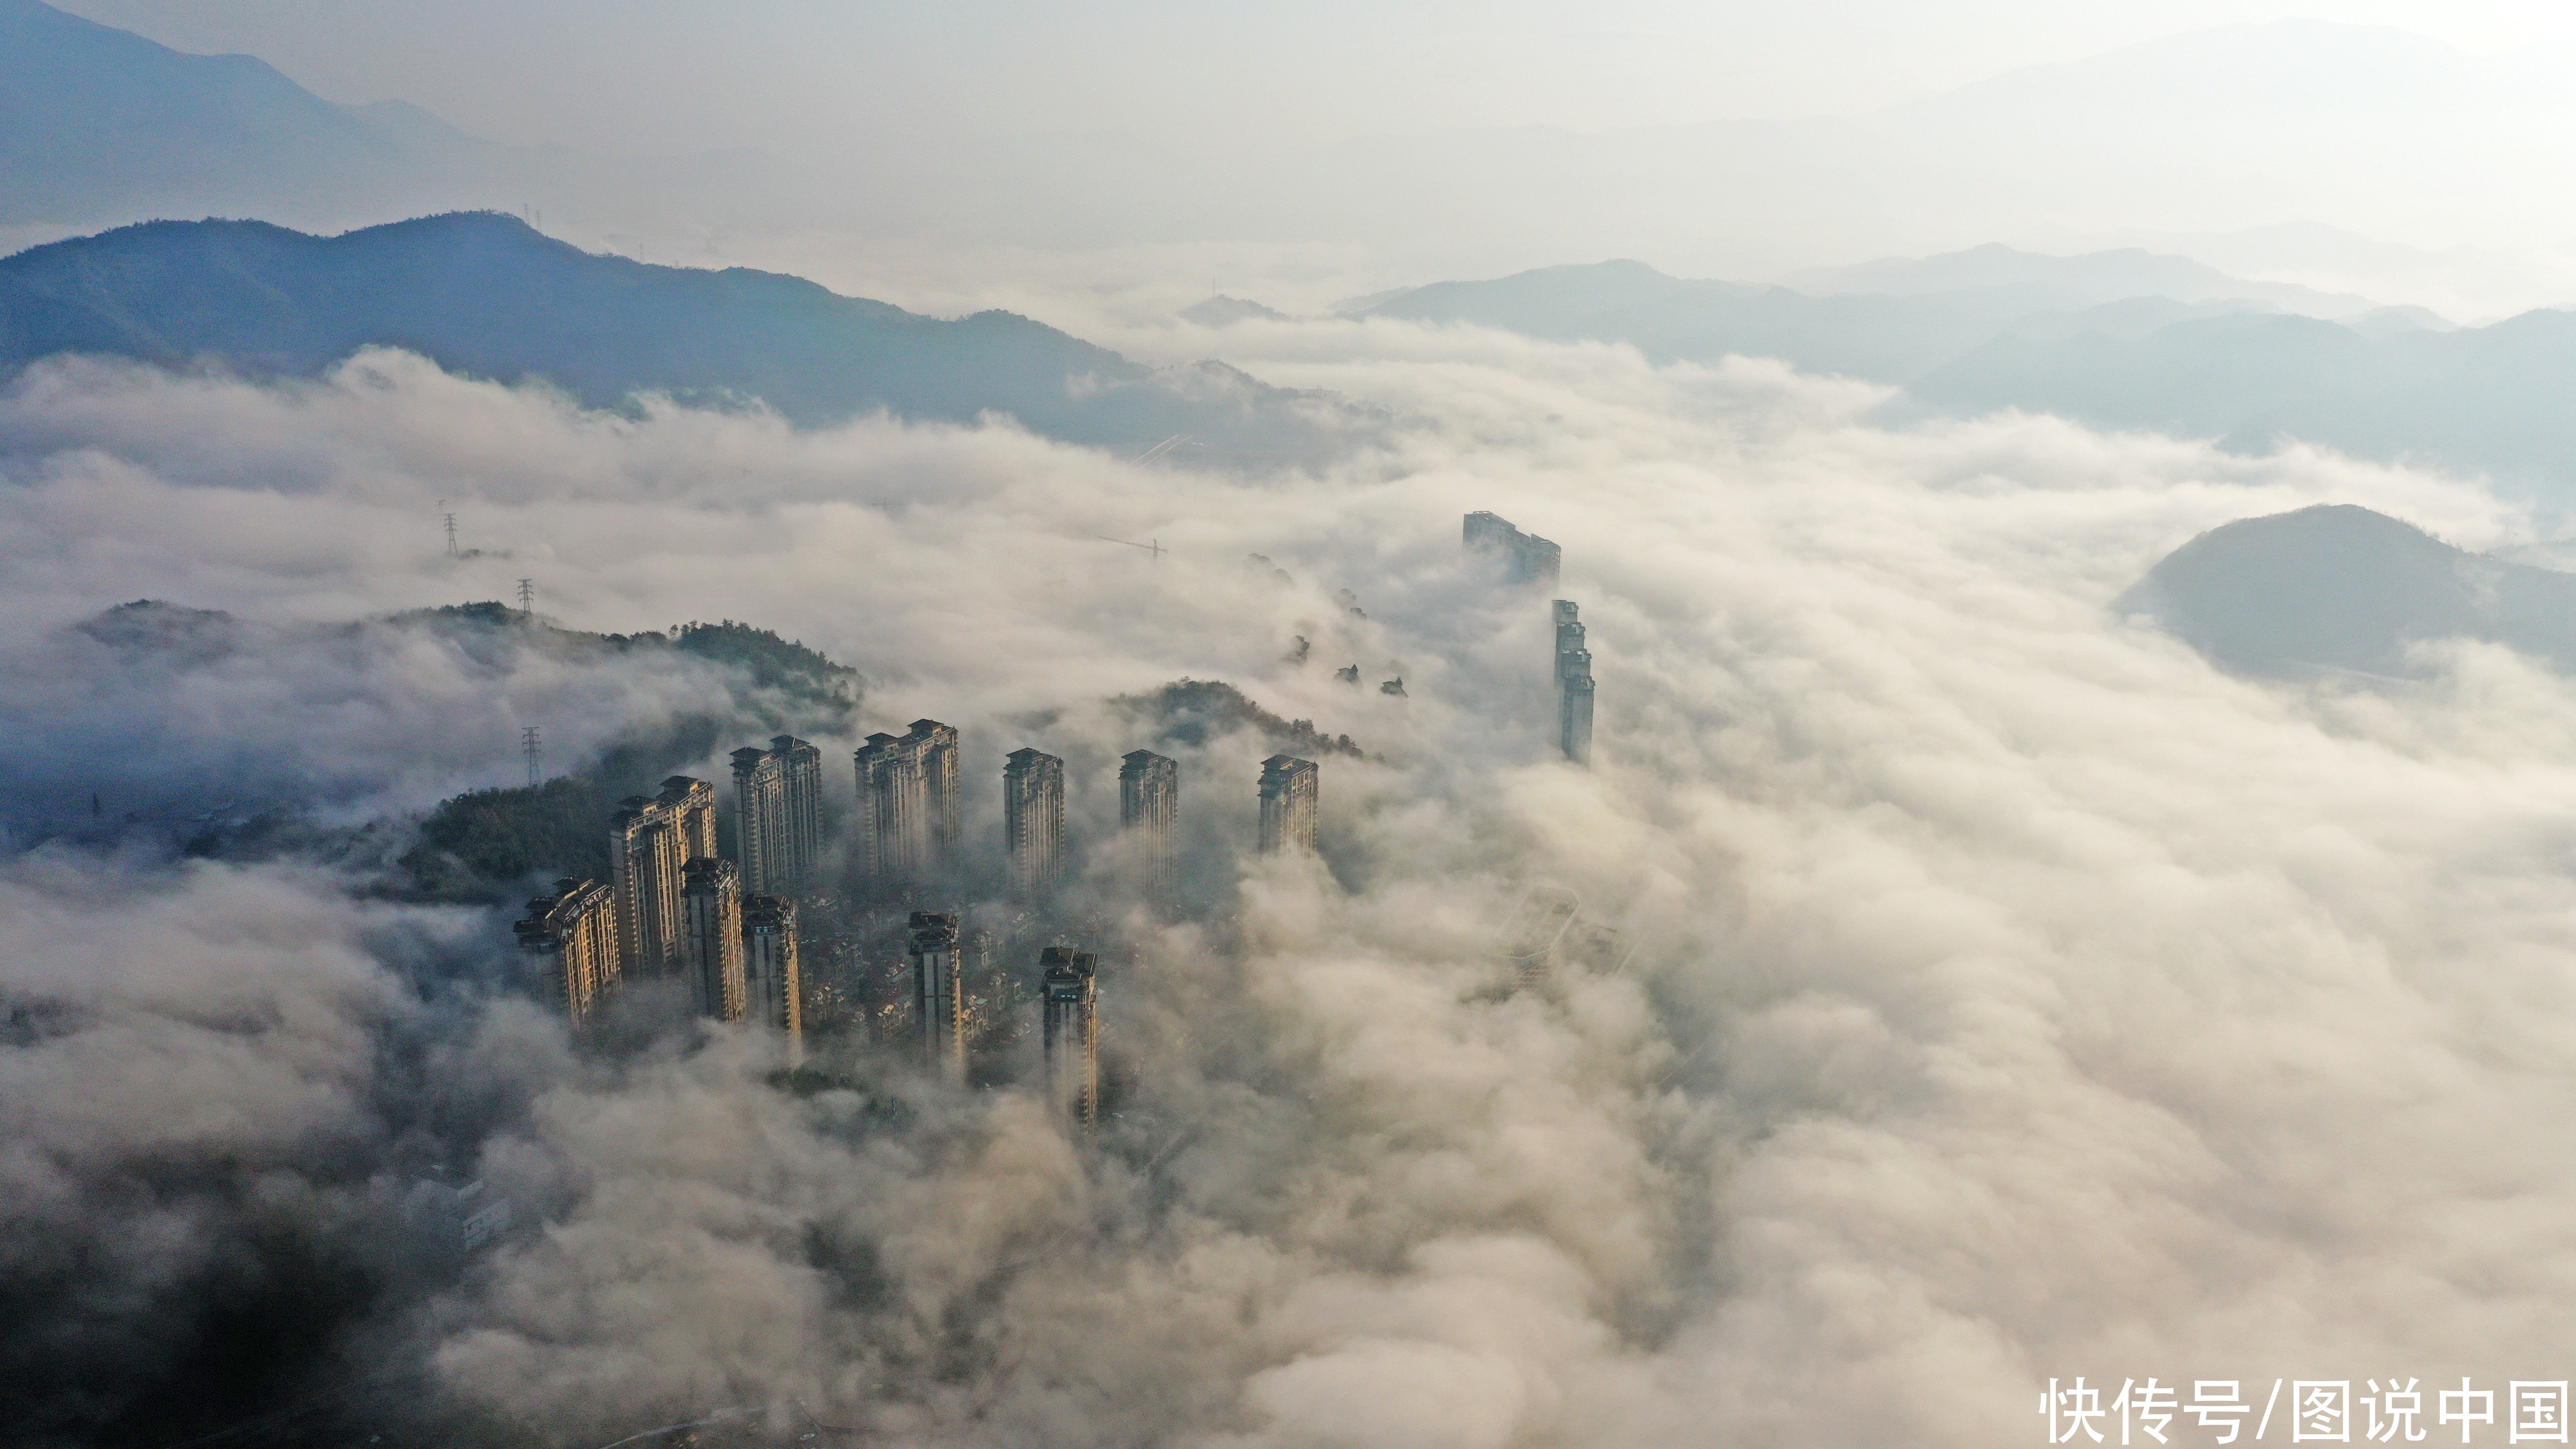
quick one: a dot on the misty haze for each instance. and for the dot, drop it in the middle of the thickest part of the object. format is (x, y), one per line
(1336, 728)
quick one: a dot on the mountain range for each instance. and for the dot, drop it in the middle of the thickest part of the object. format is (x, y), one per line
(1877, 335)
(1998, 329)
(98, 123)
(486, 295)
(2480, 400)
(2024, 281)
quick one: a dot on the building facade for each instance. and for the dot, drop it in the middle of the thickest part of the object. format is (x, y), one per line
(570, 940)
(1290, 800)
(907, 825)
(692, 804)
(1149, 808)
(1033, 821)
(1527, 558)
(1537, 927)
(778, 815)
(644, 862)
(455, 1220)
(1069, 995)
(938, 995)
(1573, 685)
(711, 915)
(650, 840)
(773, 983)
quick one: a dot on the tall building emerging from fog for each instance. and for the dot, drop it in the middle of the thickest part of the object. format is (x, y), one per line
(938, 995)
(1573, 686)
(570, 938)
(1540, 922)
(1290, 791)
(1527, 558)
(644, 859)
(773, 986)
(1149, 807)
(907, 825)
(711, 937)
(649, 841)
(1033, 820)
(778, 814)
(1069, 992)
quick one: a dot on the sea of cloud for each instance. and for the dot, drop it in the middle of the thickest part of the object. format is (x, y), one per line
(2008, 994)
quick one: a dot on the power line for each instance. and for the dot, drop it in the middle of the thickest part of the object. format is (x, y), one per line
(1153, 546)
(718, 1417)
(1159, 449)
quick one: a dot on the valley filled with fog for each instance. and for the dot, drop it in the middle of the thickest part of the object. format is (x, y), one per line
(2014, 993)
(2006, 814)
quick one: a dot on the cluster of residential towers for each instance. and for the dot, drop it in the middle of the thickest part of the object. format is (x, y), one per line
(908, 804)
(675, 909)
(672, 908)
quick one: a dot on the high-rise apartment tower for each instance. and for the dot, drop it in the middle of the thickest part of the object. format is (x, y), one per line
(711, 910)
(1290, 788)
(778, 814)
(649, 841)
(907, 825)
(1530, 940)
(1527, 558)
(938, 995)
(645, 853)
(570, 939)
(692, 804)
(773, 986)
(1149, 807)
(1573, 686)
(1069, 994)
(1033, 821)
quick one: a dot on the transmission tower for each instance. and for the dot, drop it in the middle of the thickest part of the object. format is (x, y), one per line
(527, 596)
(451, 533)
(528, 742)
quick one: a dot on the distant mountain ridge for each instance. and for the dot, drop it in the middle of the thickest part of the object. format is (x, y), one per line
(1223, 311)
(96, 121)
(2489, 400)
(487, 295)
(2035, 280)
(1886, 336)
(2389, 384)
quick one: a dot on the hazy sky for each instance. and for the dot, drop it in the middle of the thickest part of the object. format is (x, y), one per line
(690, 75)
(1394, 144)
